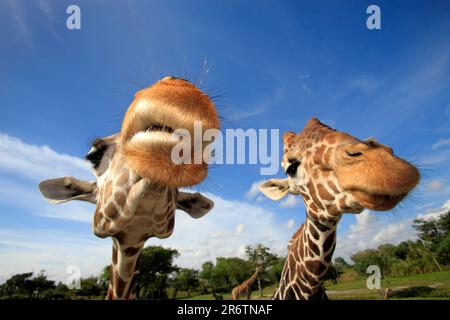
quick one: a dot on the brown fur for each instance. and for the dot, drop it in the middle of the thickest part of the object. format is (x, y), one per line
(244, 289)
(136, 191)
(336, 174)
(177, 104)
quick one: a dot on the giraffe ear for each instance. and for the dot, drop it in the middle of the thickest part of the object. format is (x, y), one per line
(68, 188)
(275, 189)
(194, 204)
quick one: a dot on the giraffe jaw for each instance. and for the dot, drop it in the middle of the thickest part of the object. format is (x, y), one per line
(149, 155)
(378, 202)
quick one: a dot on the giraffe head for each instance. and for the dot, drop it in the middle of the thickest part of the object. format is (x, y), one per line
(134, 167)
(337, 173)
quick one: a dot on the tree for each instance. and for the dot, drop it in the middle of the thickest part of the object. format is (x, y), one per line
(340, 265)
(432, 238)
(331, 274)
(229, 272)
(41, 283)
(60, 291)
(106, 273)
(91, 286)
(186, 280)
(276, 269)
(260, 257)
(402, 250)
(20, 284)
(156, 265)
(443, 248)
(364, 259)
(206, 275)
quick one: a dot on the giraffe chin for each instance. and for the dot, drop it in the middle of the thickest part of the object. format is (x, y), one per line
(149, 155)
(377, 202)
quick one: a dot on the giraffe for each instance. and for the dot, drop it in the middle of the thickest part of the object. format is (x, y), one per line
(244, 289)
(136, 189)
(335, 173)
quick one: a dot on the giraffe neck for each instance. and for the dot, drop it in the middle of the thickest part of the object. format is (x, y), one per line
(124, 270)
(244, 288)
(134, 210)
(253, 277)
(309, 256)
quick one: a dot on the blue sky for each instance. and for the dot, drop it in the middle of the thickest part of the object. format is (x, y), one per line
(275, 64)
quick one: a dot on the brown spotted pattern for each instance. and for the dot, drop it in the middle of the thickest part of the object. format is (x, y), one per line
(311, 248)
(309, 256)
(244, 289)
(335, 173)
(136, 187)
(129, 224)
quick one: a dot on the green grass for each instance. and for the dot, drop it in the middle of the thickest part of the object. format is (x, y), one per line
(420, 286)
(434, 285)
(417, 279)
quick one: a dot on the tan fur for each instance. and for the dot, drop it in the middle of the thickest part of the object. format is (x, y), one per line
(136, 191)
(378, 178)
(335, 173)
(174, 103)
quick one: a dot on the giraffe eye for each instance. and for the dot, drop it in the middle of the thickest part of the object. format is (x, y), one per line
(354, 154)
(292, 169)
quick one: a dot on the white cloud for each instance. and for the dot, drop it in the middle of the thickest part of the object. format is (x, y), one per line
(45, 7)
(365, 83)
(304, 77)
(260, 199)
(254, 191)
(239, 229)
(261, 106)
(441, 143)
(290, 224)
(16, 12)
(434, 213)
(373, 229)
(437, 158)
(38, 162)
(434, 185)
(29, 164)
(223, 232)
(290, 201)
(219, 235)
(363, 222)
(24, 250)
(390, 233)
(27, 198)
